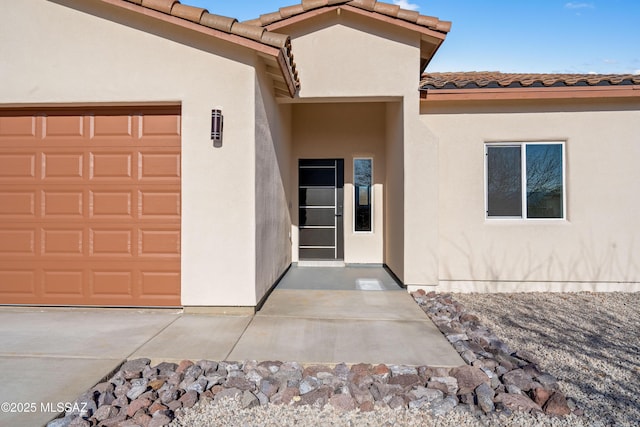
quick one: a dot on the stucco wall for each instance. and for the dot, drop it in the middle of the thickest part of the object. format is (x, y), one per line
(66, 52)
(597, 247)
(394, 194)
(272, 186)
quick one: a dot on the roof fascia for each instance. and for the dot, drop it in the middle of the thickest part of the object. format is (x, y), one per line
(231, 38)
(435, 95)
(373, 15)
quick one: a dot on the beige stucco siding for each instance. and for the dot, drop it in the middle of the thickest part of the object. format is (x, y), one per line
(68, 52)
(272, 186)
(595, 248)
(347, 55)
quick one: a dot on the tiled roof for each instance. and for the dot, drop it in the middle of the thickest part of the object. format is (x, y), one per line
(494, 79)
(391, 10)
(218, 22)
(227, 25)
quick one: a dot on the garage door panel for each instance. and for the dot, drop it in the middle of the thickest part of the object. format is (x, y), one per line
(156, 203)
(111, 203)
(156, 283)
(62, 165)
(160, 125)
(111, 242)
(17, 242)
(17, 165)
(67, 204)
(16, 281)
(111, 165)
(70, 127)
(159, 242)
(17, 204)
(112, 283)
(90, 206)
(58, 281)
(110, 127)
(158, 165)
(16, 128)
(68, 242)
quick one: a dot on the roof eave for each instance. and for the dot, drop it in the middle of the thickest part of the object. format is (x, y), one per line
(260, 48)
(545, 93)
(371, 14)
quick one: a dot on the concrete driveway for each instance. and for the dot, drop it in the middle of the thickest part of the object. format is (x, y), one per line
(48, 357)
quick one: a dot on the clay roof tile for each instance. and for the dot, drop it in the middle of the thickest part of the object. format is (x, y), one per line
(488, 79)
(164, 6)
(289, 11)
(218, 22)
(190, 13)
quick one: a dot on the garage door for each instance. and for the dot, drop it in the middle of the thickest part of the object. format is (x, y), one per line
(90, 207)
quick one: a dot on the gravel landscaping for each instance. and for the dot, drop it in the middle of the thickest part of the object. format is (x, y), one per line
(533, 359)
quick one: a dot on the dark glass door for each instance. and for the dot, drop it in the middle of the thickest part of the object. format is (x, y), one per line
(320, 198)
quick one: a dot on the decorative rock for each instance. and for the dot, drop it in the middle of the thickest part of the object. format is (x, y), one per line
(519, 378)
(134, 367)
(517, 402)
(308, 384)
(182, 367)
(159, 419)
(156, 406)
(469, 377)
(405, 380)
(285, 396)
(548, 381)
(450, 383)
(397, 370)
(541, 395)
(136, 405)
(190, 398)
(484, 394)
(454, 338)
(105, 412)
(269, 387)
(441, 408)
(557, 405)
(342, 402)
(319, 397)
(249, 400)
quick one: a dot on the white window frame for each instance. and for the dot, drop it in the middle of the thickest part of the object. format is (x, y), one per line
(371, 198)
(523, 171)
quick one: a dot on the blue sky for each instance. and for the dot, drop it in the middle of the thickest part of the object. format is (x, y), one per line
(540, 36)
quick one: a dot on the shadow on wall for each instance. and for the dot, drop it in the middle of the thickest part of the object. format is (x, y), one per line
(588, 263)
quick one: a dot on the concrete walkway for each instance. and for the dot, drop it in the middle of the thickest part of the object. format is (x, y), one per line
(51, 356)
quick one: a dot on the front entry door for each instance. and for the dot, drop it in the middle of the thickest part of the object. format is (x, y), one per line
(320, 213)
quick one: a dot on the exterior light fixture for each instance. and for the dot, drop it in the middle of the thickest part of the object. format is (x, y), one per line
(216, 127)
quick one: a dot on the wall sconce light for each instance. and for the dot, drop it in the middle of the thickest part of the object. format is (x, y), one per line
(216, 127)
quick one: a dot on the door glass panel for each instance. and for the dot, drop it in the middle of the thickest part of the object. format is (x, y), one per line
(317, 196)
(317, 217)
(362, 180)
(316, 253)
(317, 236)
(317, 177)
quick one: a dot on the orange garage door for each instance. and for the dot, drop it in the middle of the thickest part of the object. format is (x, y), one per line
(90, 207)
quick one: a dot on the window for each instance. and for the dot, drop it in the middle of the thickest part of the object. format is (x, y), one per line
(525, 180)
(362, 179)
